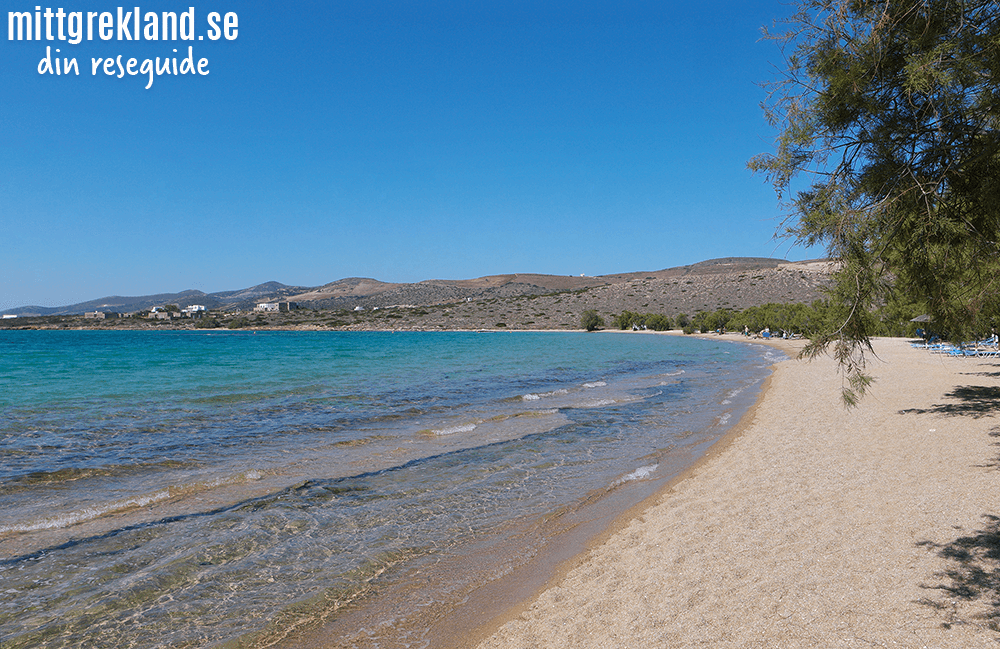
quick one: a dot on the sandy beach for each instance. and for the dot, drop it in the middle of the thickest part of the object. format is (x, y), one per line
(811, 526)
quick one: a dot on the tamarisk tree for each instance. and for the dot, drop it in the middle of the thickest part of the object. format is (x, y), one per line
(888, 153)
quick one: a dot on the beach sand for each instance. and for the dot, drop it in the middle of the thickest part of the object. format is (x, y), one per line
(813, 526)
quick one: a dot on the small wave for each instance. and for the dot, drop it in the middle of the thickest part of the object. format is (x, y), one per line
(595, 384)
(641, 473)
(451, 430)
(597, 403)
(731, 395)
(72, 518)
(620, 399)
(542, 395)
(667, 378)
(68, 519)
(723, 419)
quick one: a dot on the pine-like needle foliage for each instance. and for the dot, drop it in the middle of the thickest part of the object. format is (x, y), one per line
(888, 114)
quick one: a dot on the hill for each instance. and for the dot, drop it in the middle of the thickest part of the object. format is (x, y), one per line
(131, 304)
(515, 301)
(546, 303)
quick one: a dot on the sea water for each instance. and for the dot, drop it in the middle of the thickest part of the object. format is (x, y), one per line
(189, 489)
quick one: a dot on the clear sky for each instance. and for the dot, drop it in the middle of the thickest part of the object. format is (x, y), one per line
(397, 140)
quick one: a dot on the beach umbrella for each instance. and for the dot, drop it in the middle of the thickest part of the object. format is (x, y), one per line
(924, 318)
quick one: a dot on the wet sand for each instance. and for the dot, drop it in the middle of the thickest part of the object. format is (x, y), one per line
(810, 526)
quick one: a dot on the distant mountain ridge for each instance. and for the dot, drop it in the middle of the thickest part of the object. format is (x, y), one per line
(352, 292)
(129, 304)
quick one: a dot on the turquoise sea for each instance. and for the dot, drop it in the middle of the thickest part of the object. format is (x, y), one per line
(198, 489)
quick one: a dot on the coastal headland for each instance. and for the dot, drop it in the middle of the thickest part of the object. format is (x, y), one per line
(810, 525)
(514, 301)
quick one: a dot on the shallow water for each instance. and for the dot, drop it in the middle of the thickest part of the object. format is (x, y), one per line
(176, 489)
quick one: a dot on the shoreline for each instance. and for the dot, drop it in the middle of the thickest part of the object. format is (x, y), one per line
(805, 525)
(478, 633)
(571, 533)
(472, 635)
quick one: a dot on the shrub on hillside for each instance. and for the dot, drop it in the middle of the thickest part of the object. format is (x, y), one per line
(591, 320)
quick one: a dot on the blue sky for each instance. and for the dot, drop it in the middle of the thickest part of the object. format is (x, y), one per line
(397, 140)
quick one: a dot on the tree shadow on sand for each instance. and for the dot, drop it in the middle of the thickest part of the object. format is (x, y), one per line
(972, 574)
(968, 400)
(969, 581)
(993, 375)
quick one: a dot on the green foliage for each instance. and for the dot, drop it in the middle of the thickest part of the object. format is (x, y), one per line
(591, 320)
(711, 321)
(626, 319)
(630, 319)
(658, 322)
(238, 323)
(792, 318)
(808, 320)
(891, 108)
(171, 308)
(894, 316)
(206, 323)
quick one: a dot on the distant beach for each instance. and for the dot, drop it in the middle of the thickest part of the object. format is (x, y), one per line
(814, 526)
